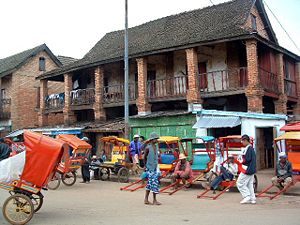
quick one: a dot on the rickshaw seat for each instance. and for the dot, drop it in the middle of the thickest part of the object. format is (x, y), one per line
(167, 158)
(165, 167)
(200, 161)
(294, 158)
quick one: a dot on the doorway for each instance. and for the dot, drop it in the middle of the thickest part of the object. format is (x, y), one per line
(264, 148)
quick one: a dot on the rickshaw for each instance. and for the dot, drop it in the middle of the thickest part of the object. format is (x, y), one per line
(78, 151)
(119, 163)
(169, 149)
(229, 145)
(42, 157)
(290, 144)
(202, 161)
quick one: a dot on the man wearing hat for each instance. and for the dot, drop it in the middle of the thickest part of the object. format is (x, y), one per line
(229, 169)
(283, 172)
(85, 167)
(151, 168)
(182, 170)
(135, 149)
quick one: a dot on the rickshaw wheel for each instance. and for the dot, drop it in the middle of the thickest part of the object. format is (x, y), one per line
(123, 175)
(18, 209)
(255, 183)
(54, 183)
(69, 179)
(104, 174)
(37, 201)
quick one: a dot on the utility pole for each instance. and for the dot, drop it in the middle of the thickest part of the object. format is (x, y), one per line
(126, 73)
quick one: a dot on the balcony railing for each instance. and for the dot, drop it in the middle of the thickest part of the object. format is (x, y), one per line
(82, 96)
(269, 80)
(55, 101)
(115, 93)
(290, 88)
(223, 80)
(167, 88)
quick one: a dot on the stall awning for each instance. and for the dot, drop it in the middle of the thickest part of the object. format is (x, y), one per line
(217, 122)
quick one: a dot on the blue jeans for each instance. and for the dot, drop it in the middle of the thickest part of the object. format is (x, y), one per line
(225, 175)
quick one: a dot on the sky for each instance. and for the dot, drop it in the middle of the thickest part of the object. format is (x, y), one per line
(73, 27)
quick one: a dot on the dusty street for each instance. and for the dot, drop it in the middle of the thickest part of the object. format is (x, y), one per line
(102, 203)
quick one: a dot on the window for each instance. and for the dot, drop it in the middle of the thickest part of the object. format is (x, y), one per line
(253, 22)
(42, 64)
(3, 94)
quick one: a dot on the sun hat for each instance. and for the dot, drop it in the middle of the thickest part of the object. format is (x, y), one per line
(282, 155)
(136, 136)
(94, 157)
(182, 156)
(230, 156)
(85, 139)
(153, 136)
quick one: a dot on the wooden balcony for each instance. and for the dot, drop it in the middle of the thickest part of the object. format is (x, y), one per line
(167, 89)
(269, 81)
(113, 95)
(223, 82)
(82, 98)
(55, 102)
(290, 88)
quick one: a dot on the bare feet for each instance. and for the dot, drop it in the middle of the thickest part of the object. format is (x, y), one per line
(156, 203)
(146, 202)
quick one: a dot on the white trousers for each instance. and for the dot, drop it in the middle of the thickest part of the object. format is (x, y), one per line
(245, 185)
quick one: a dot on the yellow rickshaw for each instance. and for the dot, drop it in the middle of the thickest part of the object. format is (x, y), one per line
(118, 149)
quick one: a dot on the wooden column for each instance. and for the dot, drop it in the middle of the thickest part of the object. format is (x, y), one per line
(296, 110)
(281, 103)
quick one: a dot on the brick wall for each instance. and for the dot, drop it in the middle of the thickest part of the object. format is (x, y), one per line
(261, 27)
(24, 92)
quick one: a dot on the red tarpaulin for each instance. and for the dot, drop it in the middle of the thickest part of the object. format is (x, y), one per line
(291, 127)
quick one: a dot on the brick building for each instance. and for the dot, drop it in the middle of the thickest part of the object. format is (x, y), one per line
(20, 90)
(225, 57)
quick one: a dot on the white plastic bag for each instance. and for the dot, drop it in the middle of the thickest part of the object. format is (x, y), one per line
(12, 168)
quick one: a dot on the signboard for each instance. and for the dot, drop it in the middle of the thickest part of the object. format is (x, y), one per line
(197, 108)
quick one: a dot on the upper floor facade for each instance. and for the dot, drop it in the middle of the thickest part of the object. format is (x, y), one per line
(244, 69)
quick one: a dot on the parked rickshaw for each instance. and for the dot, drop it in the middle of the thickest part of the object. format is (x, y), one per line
(229, 145)
(119, 163)
(202, 161)
(169, 149)
(43, 155)
(78, 151)
(290, 144)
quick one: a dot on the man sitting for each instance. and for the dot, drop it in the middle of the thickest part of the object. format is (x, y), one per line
(283, 172)
(182, 170)
(95, 166)
(228, 170)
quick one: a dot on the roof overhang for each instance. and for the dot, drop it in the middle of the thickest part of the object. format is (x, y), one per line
(217, 122)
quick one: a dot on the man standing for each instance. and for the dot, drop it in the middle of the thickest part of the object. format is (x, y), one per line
(246, 177)
(283, 172)
(135, 149)
(85, 167)
(4, 150)
(151, 169)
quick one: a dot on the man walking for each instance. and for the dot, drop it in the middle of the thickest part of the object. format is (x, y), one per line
(246, 177)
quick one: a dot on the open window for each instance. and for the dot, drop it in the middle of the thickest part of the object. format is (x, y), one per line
(42, 64)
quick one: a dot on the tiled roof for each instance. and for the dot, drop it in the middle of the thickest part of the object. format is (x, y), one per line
(219, 22)
(11, 63)
(65, 60)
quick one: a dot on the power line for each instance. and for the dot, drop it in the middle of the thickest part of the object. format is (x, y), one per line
(282, 26)
(211, 2)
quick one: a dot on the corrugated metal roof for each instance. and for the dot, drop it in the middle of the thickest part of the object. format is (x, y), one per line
(243, 114)
(217, 122)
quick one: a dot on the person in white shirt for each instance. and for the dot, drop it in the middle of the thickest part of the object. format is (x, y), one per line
(228, 171)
